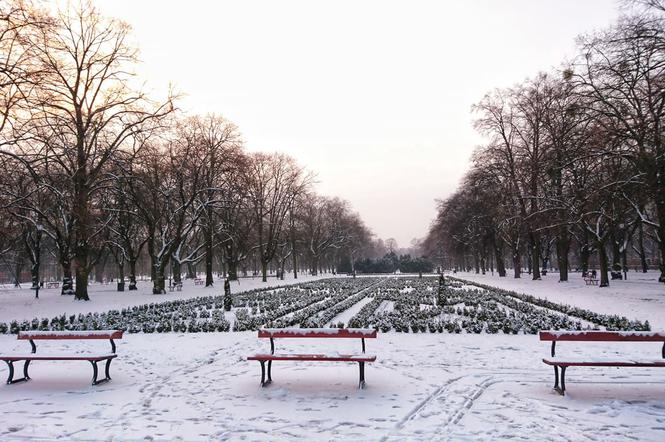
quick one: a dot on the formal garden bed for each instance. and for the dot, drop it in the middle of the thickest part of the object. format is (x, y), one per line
(417, 305)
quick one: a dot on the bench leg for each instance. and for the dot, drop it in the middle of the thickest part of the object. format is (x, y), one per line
(560, 387)
(26, 364)
(265, 383)
(361, 384)
(269, 371)
(95, 371)
(10, 378)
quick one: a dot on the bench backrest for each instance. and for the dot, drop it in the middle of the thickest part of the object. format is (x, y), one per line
(360, 333)
(607, 336)
(57, 335)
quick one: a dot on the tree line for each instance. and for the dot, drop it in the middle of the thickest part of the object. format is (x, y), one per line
(92, 169)
(573, 163)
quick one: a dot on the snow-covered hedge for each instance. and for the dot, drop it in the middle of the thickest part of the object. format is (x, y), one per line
(418, 305)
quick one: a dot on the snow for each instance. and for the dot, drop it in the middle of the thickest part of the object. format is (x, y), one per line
(424, 386)
(640, 297)
(347, 314)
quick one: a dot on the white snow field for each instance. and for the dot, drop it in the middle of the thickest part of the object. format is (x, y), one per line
(424, 386)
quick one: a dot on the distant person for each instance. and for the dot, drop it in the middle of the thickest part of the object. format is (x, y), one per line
(594, 274)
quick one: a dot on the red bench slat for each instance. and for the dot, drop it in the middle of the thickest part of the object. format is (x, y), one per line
(317, 333)
(58, 335)
(38, 357)
(606, 336)
(564, 363)
(313, 357)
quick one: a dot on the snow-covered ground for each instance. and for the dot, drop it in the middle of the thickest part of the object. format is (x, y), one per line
(640, 297)
(21, 304)
(425, 386)
(422, 387)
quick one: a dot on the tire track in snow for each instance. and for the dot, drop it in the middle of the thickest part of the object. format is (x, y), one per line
(453, 414)
(421, 405)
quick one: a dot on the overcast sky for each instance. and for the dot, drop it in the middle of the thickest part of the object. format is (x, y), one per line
(374, 96)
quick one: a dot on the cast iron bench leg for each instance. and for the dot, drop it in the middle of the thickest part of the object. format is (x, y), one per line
(361, 384)
(26, 364)
(95, 372)
(560, 388)
(10, 378)
(265, 383)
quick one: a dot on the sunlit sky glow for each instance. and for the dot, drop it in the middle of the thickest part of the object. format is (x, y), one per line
(374, 96)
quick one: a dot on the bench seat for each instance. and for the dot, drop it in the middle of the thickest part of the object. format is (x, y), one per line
(313, 357)
(43, 357)
(588, 362)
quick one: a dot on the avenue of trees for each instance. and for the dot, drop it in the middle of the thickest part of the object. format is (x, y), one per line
(573, 168)
(96, 176)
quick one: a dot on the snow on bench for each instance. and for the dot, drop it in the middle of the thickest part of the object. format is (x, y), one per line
(321, 333)
(598, 336)
(63, 335)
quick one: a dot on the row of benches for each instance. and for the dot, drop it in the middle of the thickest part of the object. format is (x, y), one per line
(266, 359)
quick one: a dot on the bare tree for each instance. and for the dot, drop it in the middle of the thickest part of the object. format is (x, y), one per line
(274, 181)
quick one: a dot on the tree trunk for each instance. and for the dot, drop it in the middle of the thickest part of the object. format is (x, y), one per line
(81, 217)
(208, 259)
(34, 273)
(67, 283)
(18, 269)
(121, 272)
(585, 255)
(99, 269)
(534, 243)
(158, 284)
(659, 191)
(640, 249)
(602, 258)
(191, 271)
(176, 270)
(232, 266)
(498, 258)
(562, 250)
(153, 258)
(517, 264)
(264, 270)
(132, 274)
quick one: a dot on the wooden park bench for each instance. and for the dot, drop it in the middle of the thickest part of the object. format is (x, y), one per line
(590, 280)
(320, 333)
(52, 285)
(598, 336)
(198, 281)
(33, 336)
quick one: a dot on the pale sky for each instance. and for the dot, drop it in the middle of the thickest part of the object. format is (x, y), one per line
(374, 96)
